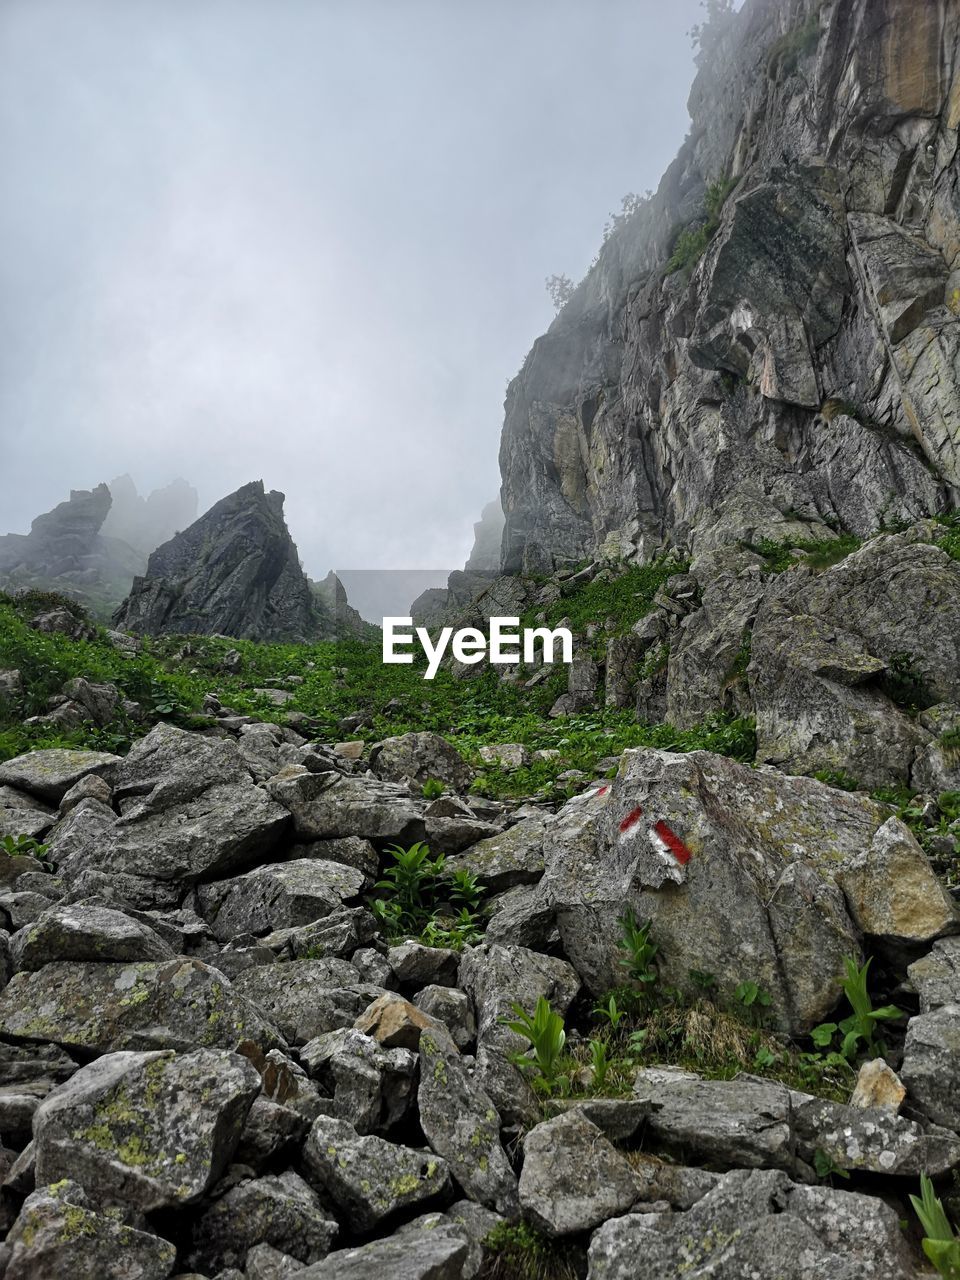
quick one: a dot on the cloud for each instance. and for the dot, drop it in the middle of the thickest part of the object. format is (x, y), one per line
(305, 241)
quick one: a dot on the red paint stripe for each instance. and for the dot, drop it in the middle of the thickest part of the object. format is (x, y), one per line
(603, 791)
(632, 818)
(673, 842)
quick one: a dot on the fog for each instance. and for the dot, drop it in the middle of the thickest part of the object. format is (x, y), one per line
(306, 241)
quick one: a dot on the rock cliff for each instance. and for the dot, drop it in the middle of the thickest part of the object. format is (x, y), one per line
(769, 347)
(233, 572)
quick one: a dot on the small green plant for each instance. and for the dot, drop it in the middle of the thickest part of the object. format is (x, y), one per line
(752, 999)
(432, 789)
(412, 878)
(707, 982)
(940, 1242)
(599, 1063)
(639, 951)
(826, 1168)
(544, 1031)
(465, 887)
(837, 778)
(948, 802)
(691, 244)
(609, 1011)
(24, 846)
(516, 1251)
(859, 1030)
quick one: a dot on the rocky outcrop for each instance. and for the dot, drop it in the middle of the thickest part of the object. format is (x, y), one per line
(800, 374)
(234, 572)
(66, 551)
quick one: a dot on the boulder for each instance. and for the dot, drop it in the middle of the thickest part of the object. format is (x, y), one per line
(178, 1004)
(292, 995)
(50, 774)
(573, 1178)
(372, 1087)
(757, 1223)
(280, 895)
(453, 1009)
(929, 1068)
(279, 1210)
(394, 1022)
(512, 857)
(415, 965)
(334, 805)
(61, 1232)
(85, 932)
(461, 1125)
(741, 871)
(410, 1255)
(368, 1179)
(419, 757)
(149, 1130)
(936, 976)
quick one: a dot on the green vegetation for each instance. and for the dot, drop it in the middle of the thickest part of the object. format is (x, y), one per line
(432, 789)
(858, 1032)
(24, 846)
(691, 244)
(427, 901)
(516, 1251)
(639, 953)
(940, 1242)
(543, 1029)
(949, 539)
(624, 596)
(817, 553)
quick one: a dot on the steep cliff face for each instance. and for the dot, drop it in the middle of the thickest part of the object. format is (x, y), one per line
(234, 572)
(801, 376)
(145, 522)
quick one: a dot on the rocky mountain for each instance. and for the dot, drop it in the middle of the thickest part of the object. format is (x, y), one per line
(439, 604)
(233, 572)
(66, 551)
(768, 347)
(145, 522)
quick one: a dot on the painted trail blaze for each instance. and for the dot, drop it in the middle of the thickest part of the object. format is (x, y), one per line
(673, 842)
(631, 820)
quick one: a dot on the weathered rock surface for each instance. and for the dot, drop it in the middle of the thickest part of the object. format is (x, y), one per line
(151, 1130)
(49, 775)
(280, 1211)
(233, 572)
(418, 757)
(279, 896)
(368, 1179)
(80, 932)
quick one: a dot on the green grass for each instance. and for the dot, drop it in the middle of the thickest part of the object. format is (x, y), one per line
(691, 244)
(171, 676)
(625, 596)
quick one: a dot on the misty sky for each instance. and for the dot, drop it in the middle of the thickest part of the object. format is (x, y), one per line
(306, 241)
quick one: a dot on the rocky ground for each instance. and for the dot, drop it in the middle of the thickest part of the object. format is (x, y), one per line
(280, 1005)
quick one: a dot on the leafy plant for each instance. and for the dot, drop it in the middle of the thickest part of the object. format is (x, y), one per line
(516, 1251)
(544, 1030)
(432, 789)
(639, 950)
(24, 846)
(610, 1011)
(860, 1028)
(412, 878)
(465, 887)
(940, 1242)
(825, 1167)
(752, 998)
(599, 1062)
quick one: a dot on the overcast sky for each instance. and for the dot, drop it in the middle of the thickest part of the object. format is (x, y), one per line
(306, 241)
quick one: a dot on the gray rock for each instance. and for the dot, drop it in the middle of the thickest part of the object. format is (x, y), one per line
(512, 857)
(280, 895)
(99, 701)
(60, 1233)
(333, 805)
(151, 1130)
(453, 1009)
(461, 1124)
(339, 934)
(233, 572)
(418, 757)
(929, 1064)
(81, 932)
(279, 1210)
(368, 1179)
(351, 851)
(90, 787)
(178, 1004)
(573, 1178)
(412, 1255)
(291, 994)
(373, 1088)
(50, 774)
(757, 1224)
(266, 1263)
(416, 966)
(936, 976)
(754, 873)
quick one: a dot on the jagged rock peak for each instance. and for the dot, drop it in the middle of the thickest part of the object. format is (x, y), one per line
(234, 572)
(769, 346)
